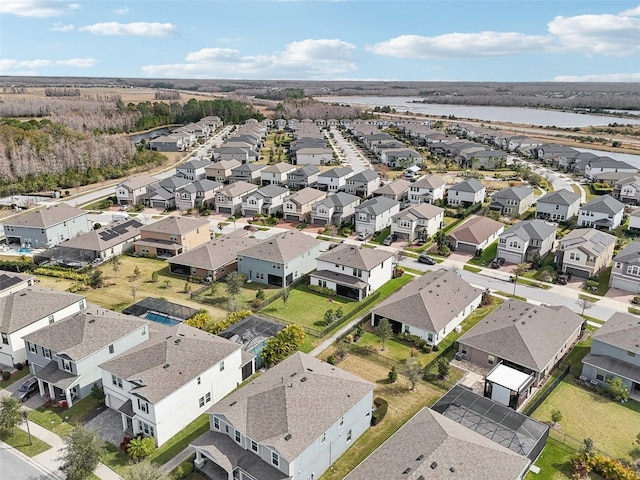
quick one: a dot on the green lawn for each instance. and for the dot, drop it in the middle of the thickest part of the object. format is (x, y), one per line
(488, 254)
(471, 268)
(381, 236)
(588, 414)
(554, 462)
(15, 376)
(181, 440)
(603, 287)
(220, 297)
(62, 421)
(20, 441)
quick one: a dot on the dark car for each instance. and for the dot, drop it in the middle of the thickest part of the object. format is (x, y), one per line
(563, 279)
(422, 258)
(27, 390)
(251, 228)
(388, 240)
(497, 262)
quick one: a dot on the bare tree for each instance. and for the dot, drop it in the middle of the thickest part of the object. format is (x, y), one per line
(585, 304)
(413, 372)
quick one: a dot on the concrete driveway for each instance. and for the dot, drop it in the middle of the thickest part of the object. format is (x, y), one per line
(108, 426)
(34, 402)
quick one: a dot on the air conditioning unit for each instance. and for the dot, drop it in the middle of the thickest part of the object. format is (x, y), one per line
(458, 328)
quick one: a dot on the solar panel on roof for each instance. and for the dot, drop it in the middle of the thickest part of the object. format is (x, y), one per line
(8, 281)
(107, 235)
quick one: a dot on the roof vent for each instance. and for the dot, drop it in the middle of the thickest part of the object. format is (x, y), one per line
(406, 470)
(434, 465)
(177, 341)
(309, 369)
(232, 403)
(92, 320)
(420, 457)
(303, 379)
(452, 469)
(294, 374)
(287, 437)
(166, 365)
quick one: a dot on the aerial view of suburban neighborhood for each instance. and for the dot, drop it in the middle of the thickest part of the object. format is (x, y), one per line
(373, 254)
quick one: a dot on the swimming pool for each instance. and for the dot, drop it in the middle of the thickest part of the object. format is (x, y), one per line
(25, 250)
(160, 318)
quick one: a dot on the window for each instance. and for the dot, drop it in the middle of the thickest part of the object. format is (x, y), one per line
(222, 365)
(216, 423)
(341, 423)
(254, 446)
(357, 272)
(348, 436)
(81, 304)
(146, 428)
(66, 365)
(51, 319)
(32, 347)
(199, 381)
(275, 458)
(322, 283)
(143, 406)
(633, 270)
(407, 329)
(5, 338)
(117, 381)
(574, 256)
(111, 349)
(362, 217)
(631, 354)
(323, 438)
(491, 359)
(201, 402)
(600, 375)
(207, 397)
(47, 353)
(238, 436)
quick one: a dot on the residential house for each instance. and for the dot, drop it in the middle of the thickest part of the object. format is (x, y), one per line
(523, 241)
(276, 174)
(625, 273)
(353, 272)
(466, 193)
(130, 191)
(266, 200)
(604, 212)
(334, 179)
(193, 169)
(395, 190)
(303, 177)
(247, 172)
(607, 164)
(171, 236)
(627, 189)
(375, 214)
(314, 156)
(297, 206)
(280, 259)
(558, 206)
(400, 157)
(198, 194)
(215, 259)
(475, 234)
(419, 221)
(165, 383)
(47, 227)
(512, 201)
(221, 170)
(634, 221)
(99, 245)
(242, 153)
(363, 183)
(412, 172)
(615, 353)
(65, 356)
(336, 209)
(585, 252)
(430, 306)
(279, 439)
(162, 195)
(169, 143)
(517, 334)
(230, 197)
(427, 189)
(14, 282)
(431, 441)
(27, 310)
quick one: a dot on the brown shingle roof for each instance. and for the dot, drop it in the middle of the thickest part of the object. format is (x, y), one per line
(306, 195)
(282, 247)
(176, 225)
(476, 230)
(356, 257)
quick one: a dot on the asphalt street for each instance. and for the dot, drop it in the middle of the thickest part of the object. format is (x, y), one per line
(14, 467)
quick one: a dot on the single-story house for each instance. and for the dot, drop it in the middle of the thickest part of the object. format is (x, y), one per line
(475, 234)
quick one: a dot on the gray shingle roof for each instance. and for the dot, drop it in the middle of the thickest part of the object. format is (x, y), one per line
(531, 229)
(237, 189)
(271, 191)
(105, 237)
(514, 193)
(280, 167)
(337, 172)
(29, 305)
(429, 302)
(604, 204)
(425, 211)
(377, 205)
(608, 162)
(339, 199)
(469, 185)
(630, 254)
(281, 247)
(592, 241)
(356, 257)
(560, 197)
(366, 175)
(433, 446)
(46, 217)
(430, 181)
(138, 181)
(217, 253)
(176, 225)
(306, 195)
(224, 164)
(10, 279)
(520, 332)
(396, 187)
(622, 330)
(248, 167)
(306, 171)
(278, 403)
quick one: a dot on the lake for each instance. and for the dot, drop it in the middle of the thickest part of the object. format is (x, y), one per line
(624, 157)
(526, 116)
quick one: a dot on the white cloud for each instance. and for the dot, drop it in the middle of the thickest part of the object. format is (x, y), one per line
(141, 29)
(600, 77)
(632, 12)
(121, 11)
(12, 66)
(306, 59)
(37, 8)
(61, 27)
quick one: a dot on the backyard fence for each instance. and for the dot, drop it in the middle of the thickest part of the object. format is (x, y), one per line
(369, 352)
(546, 390)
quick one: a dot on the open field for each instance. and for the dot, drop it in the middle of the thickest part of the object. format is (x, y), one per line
(128, 95)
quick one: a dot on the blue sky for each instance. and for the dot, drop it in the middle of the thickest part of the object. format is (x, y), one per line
(451, 40)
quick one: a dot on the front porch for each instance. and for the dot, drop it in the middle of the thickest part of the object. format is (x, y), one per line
(57, 385)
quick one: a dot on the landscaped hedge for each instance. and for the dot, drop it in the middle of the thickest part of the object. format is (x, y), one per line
(58, 272)
(609, 468)
(17, 266)
(381, 410)
(322, 290)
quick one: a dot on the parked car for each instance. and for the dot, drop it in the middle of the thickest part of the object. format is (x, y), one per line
(388, 240)
(364, 236)
(497, 262)
(422, 258)
(251, 228)
(563, 278)
(27, 390)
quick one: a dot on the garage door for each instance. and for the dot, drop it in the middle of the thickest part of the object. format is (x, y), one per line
(292, 218)
(224, 209)
(250, 213)
(576, 272)
(623, 284)
(466, 247)
(509, 257)
(159, 204)
(318, 221)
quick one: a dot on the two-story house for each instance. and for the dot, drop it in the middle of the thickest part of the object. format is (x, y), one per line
(193, 169)
(265, 430)
(172, 235)
(512, 201)
(247, 172)
(14, 282)
(400, 157)
(524, 240)
(558, 206)
(276, 174)
(396, 190)
(627, 189)
(607, 164)
(625, 273)
(280, 259)
(169, 380)
(417, 221)
(603, 212)
(266, 200)
(220, 171)
(336, 209)
(130, 191)
(65, 356)
(297, 206)
(230, 197)
(334, 179)
(363, 183)
(615, 353)
(28, 309)
(200, 193)
(585, 252)
(319, 155)
(47, 227)
(375, 214)
(353, 272)
(303, 177)
(427, 189)
(466, 193)
(634, 221)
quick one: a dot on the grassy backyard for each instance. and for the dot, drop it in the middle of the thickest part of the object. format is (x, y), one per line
(62, 421)
(555, 463)
(488, 254)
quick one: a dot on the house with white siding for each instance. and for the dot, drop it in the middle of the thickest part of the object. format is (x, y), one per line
(193, 169)
(558, 206)
(524, 240)
(427, 189)
(363, 183)
(625, 273)
(604, 213)
(334, 179)
(266, 200)
(375, 214)
(230, 197)
(276, 174)
(466, 193)
(417, 221)
(130, 191)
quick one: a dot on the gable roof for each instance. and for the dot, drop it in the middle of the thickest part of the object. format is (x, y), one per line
(432, 446)
(138, 181)
(176, 225)
(11, 279)
(476, 230)
(337, 172)
(280, 167)
(170, 360)
(531, 229)
(248, 167)
(306, 195)
(29, 305)
(591, 241)
(469, 185)
(224, 164)
(281, 247)
(560, 197)
(429, 181)
(274, 408)
(425, 211)
(377, 205)
(194, 164)
(429, 302)
(622, 330)
(338, 199)
(237, 189)
(604, 204)
(305, 171)
(519, 332)
(608, 162)
(86, 332)
(105, 237)
(397, 187)
(514, 193)
(630, 254)
(356, 257)
(272, 190)
(47, 216)
(366, 175)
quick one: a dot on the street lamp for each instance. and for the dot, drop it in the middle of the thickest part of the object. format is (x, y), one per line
(515, 282)
(25, 414)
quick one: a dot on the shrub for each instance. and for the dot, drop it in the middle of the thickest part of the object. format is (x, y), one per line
(331, 360)
(19, 366)
(154, 277)
(381, 410)
(183, 471)
(97, 392)
(322, 290)
(393, 375)
(58, 272)
(556, 416)
(435, 348)
(636, 300)
(6, 375)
